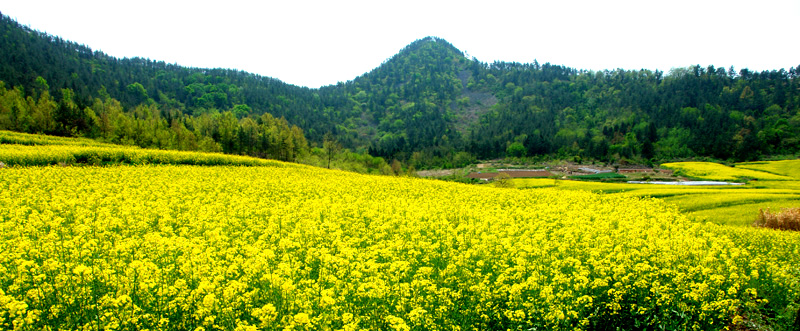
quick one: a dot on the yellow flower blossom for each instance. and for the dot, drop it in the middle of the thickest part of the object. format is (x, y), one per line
(260, 247)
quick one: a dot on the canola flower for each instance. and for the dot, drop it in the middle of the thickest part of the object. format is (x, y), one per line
(716, 171)
(32, 155)
(789, 168)
(732, 205)
(275, 248)
(12, 137)
(692, 202)
(741, 214)
(23, 149)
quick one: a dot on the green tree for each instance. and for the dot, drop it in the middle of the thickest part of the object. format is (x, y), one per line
(332, 148)
(241, 110)
(43, 113)
(503, 180)
(397, 167)
(136, 93)
(516, 149)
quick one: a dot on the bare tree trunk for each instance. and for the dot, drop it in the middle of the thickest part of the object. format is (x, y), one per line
(797, 320)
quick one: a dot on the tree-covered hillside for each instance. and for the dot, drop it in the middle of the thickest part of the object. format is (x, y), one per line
(693, 111)
(429, 105)
(429, 102)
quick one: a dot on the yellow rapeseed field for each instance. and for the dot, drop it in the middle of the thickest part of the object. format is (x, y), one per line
(789, 168)
(23, 149)
(730, 205)
(178, 247)
(716, 171)
(11, 137)
(25, 155)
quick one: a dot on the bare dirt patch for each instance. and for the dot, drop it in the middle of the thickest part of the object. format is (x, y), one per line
(436, 173)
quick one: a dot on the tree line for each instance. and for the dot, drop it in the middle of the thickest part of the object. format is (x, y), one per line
(148, 125)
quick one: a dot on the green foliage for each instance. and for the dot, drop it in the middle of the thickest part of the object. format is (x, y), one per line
(429, 100)
(345, 159)
(148, 126)
(463, 159)
(136, 93)
(331, 148)
(516, 149)
(503, 180)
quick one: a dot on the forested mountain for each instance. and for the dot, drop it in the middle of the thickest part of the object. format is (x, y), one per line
(429, 105)
(49, 85)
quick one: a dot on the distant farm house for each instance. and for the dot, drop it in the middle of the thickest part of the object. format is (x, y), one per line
(511, 173)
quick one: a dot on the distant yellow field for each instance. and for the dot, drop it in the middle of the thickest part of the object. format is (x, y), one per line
(700, 201)
(789, 168)
(32, 155)
(716, 171)
(696, 202)
(741, 214)
(11, 137)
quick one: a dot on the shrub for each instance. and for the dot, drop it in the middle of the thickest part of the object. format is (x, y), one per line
(786, 219)
(503, 180)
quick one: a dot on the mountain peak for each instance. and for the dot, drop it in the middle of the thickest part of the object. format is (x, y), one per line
(431, 41)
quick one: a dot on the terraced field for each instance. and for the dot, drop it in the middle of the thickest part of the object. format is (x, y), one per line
(774, 185)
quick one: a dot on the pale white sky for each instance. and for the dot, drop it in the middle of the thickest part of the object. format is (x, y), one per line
(315, 43)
